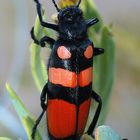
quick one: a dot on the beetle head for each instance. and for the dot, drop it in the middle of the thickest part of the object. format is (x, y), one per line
(71, 23)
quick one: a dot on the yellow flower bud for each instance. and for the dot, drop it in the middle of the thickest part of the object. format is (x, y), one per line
(66, 3)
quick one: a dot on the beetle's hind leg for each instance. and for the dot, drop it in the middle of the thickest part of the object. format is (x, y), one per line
(44, 108)
(97, 113)
(43, 40)
(36, 124)
(91, 128)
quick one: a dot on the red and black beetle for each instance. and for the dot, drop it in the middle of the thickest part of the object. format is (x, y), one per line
(69, 87)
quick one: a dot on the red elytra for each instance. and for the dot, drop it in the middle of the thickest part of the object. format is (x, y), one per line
(62, 77)
(63, 52)
(70, 79)
(62, 118)
(88, 52)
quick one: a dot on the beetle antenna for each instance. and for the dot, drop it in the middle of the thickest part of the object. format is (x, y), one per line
(78, 3)
(55, 5)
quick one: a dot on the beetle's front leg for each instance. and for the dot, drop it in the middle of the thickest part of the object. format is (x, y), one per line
(43, 40)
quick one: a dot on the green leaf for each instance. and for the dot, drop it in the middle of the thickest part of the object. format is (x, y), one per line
(22, 112)
(4, 138)
(104, 69)
(106, 133)
(66, 3)
(90, 11)
(37, 65)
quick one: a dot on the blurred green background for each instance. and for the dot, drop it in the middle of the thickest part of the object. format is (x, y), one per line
(16, 20)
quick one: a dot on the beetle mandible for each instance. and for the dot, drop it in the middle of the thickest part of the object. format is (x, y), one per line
(69, 87)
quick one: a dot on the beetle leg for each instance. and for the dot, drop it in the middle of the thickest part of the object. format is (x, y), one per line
(45, 24)
(44, 107)
(43, 97)
(48, 40)
(33, 37)
(36, 124)
(97, 113)
(91, 22)
(98, 51)
(42, 41)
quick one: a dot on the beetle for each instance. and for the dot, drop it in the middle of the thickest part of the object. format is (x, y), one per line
(69, 87)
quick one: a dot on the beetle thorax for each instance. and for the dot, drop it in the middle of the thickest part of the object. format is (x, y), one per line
(72, 26)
